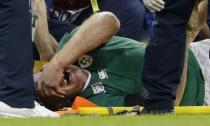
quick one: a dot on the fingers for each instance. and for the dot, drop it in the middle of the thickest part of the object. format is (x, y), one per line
(150, 8)
(45, 91)
(158, 5)
(60, 92)
(160, 2)
(154, 5)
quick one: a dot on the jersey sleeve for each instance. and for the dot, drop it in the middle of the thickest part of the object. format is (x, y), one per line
(194, 89)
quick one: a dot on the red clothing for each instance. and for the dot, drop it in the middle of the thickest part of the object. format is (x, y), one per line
(71, 4)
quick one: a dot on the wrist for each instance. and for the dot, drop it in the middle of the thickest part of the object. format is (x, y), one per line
(57, 64)
(46, 56)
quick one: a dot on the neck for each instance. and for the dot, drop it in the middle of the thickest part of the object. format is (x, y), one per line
(85, 76)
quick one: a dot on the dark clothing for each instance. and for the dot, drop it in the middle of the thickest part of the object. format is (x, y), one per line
(49, 3)
(16, 63)
(164, 56)
(148, 20)
(58, 28)
(129, 12)
(208, 18)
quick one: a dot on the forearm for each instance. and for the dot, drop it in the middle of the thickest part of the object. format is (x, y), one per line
(203, 11)
(197, 19)
(204, 32)
(42, 38)
(204, 28)
(95, 31)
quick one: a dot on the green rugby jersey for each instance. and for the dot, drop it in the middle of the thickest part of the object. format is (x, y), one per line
(194, 89)
(116, 69)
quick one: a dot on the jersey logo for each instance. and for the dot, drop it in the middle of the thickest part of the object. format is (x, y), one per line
(85, 61)
(98, 87)
(65, 16)
(102, 74)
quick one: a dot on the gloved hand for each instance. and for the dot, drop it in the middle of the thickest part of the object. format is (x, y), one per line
(154, 5)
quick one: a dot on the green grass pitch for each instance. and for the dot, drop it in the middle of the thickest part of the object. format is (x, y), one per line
(166, 120)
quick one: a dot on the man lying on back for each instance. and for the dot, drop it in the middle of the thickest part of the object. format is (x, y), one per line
(111, 67)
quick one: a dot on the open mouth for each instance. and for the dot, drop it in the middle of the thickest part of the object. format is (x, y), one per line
(67, 77)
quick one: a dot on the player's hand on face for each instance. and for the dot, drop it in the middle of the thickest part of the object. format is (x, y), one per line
(52, 102)
(75, 81)
(154, 5)
(50, 81)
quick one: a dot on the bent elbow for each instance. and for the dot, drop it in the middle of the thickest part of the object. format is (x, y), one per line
(111, 21)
